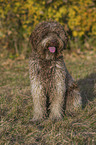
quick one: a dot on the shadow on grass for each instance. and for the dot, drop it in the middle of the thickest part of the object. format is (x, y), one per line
(88, 88)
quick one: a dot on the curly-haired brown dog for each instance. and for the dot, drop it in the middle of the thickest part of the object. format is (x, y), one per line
(52, 87)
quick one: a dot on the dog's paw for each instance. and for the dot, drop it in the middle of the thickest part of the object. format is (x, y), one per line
(55, 116)
(36, 120)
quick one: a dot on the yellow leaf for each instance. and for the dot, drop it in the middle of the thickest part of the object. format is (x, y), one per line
(75, 33)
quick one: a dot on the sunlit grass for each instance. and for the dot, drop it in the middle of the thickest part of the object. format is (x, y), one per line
(16, 106)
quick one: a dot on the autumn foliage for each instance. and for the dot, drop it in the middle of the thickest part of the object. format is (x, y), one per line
(18, 19)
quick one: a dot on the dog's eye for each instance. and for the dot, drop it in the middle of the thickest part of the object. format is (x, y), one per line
(47, 44)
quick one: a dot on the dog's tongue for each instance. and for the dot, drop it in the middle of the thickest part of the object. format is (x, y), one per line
(52, 49)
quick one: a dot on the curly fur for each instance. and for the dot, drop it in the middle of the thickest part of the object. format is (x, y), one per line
(52, 87)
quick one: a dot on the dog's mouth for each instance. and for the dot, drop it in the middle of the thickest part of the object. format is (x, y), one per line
(52, 49)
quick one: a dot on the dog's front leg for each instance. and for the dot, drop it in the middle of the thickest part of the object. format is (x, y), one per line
(57, 95)
(39, 100)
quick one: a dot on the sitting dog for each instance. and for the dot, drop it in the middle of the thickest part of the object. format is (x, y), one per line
(52, 87)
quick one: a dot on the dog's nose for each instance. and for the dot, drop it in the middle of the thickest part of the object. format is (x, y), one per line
(53, 41)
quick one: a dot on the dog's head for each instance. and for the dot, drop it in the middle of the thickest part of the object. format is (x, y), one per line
(48, 39)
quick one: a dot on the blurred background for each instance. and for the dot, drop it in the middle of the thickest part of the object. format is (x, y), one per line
(18, 19)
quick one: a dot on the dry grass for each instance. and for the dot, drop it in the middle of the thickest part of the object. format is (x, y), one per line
(16, 106)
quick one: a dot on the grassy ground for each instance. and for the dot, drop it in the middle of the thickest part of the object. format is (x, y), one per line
(16, 105)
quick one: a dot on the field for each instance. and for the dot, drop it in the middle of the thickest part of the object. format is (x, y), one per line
(16, 105)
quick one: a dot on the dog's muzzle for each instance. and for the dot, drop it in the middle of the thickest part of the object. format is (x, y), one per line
(52, 43)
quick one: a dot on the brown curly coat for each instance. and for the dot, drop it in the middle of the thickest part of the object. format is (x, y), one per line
(52, 87)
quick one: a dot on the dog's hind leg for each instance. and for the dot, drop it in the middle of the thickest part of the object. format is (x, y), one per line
(73, 97)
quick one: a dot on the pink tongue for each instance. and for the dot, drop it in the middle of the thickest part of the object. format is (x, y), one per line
(52, 49)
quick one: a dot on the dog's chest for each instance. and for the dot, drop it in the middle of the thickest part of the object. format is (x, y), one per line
(50, 70)
(46, 70)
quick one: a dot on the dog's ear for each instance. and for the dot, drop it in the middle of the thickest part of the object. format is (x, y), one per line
(64, 37)
(31, 39)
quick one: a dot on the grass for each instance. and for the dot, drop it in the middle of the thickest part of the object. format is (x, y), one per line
(16, 105)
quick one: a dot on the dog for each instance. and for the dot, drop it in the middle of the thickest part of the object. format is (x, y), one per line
(53, 89)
